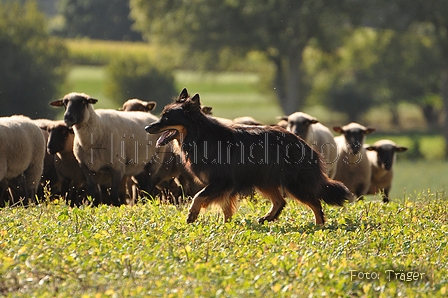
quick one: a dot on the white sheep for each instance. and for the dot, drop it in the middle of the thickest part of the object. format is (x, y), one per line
(315, 134)
(22, 151)
(382, 157)
(353, 167)
(108, 142)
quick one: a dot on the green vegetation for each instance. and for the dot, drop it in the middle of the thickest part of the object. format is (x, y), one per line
(148, 250)
(129, 77)
(31, 61)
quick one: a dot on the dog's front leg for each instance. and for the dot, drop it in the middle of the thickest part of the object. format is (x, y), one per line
(213, 192)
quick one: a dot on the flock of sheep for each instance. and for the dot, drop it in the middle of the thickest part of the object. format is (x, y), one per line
(107, 157)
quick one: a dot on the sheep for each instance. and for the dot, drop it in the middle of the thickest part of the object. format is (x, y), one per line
(246, 120)
(164, 172)
(135, 104)
(49, 176)
(316, 135)
(108, 142)
(60, 145)
(22, 152)
(353, 167)
(382, 157)
(208, 111)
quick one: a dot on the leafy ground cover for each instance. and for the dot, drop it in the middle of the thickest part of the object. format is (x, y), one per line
(367, 249)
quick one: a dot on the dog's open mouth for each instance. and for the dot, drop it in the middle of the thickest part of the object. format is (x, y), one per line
(166, 137)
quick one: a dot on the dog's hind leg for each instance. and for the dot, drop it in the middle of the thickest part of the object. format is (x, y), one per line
(215, 192)
(313, 203)
(277, 200)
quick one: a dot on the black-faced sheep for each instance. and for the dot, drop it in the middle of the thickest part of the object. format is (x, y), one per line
(49, 177)
(382, 157)
(108, 142)
(60, 145)
(22, 151)
(135, 104)
(353, 167)
(316, 135)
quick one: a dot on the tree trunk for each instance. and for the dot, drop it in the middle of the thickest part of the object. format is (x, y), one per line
(279, 79)
(287, 83)
(293, 101)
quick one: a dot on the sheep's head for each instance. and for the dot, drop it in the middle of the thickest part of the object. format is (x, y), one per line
(354, 135)
(57, 139)
(299, 123)
(76, 107)
(386, 150)
(135, 104)
(175, 118)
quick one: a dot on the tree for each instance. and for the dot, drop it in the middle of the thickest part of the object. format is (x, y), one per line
(129, 77)
(98, 19)
(383, 67)
(280, 29)
(401, 15)
(30, 60)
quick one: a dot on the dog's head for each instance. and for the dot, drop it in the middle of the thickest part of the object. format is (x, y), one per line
(176, 118)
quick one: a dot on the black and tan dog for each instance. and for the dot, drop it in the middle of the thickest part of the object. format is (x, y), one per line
(233, 161)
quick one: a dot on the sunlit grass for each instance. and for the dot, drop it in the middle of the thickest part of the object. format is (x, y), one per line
(148, 250)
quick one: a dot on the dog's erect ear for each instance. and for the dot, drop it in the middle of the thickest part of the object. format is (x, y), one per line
(183, 95)
(196, 101)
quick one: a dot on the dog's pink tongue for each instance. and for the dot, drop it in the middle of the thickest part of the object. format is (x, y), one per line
(162, 138)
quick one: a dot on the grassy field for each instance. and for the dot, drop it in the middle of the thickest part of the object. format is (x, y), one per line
(367, 249)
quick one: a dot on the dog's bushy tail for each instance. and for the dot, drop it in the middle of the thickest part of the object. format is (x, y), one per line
(336, 193)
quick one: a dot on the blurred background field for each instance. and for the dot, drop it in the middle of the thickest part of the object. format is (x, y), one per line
(233, 94)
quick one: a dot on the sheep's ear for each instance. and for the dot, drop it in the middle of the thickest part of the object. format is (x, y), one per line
(92, 100)
(314, 121)
(369, 130)
(150, 105)
(206, 110)
(338, 129)
(370, 148)
(183, 95)
(196, 101)
(57, 103)
(400, 149)
(284, 117)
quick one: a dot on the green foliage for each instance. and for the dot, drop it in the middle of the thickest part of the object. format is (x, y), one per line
(99, 19)
(279, 29)
(31, 62)
(139, 78)
(149, 250)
